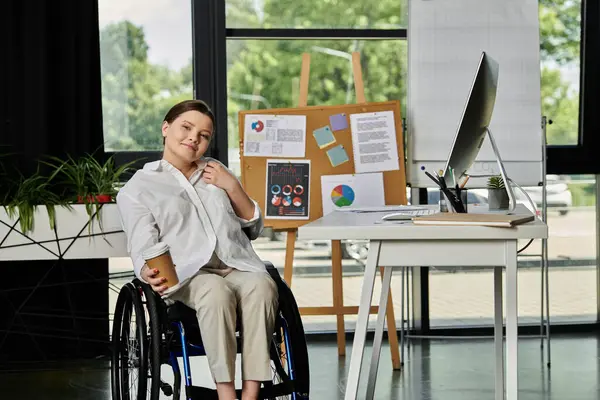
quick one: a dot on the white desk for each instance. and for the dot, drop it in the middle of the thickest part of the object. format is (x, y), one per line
(408, 245)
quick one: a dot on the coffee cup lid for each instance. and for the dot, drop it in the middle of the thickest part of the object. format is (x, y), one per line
(155, 251)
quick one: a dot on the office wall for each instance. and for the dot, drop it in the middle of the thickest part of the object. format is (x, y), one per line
(50, 104)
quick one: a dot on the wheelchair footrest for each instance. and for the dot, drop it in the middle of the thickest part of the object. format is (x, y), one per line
(201, 393)
(166, 389)
(268, 392)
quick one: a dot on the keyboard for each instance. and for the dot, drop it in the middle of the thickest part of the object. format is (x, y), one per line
(409, 214)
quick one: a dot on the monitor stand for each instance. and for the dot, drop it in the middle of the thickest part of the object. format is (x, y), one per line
(511, 195)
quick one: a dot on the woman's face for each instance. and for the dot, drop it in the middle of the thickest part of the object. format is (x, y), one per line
(188, 136)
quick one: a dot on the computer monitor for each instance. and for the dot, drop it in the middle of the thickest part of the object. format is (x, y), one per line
(474, 125)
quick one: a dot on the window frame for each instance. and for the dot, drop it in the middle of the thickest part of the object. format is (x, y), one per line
(582, 158)
(210, 37)
(208, 43)
(209, 22)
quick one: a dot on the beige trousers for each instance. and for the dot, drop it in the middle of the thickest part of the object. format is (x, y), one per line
(217, 299)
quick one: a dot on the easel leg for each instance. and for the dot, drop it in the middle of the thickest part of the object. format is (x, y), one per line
(392, 333)
(304, 77)
(290, 245)
(338, 294)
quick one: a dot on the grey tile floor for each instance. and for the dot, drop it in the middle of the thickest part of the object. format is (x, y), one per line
(434, 370)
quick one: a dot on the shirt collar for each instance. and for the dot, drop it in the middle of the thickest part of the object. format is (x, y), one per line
(158, 165)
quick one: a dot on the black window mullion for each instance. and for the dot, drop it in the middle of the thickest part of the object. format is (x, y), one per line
(139, 158)
(237, 33)
(567, 160)
(210, 67)
(590, 81)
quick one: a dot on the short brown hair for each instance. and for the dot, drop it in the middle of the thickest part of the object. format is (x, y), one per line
(188, 105)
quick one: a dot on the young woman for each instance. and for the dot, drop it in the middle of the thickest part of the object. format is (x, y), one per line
(197, 207)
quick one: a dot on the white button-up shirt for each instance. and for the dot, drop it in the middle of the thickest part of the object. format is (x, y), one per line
(195, 219)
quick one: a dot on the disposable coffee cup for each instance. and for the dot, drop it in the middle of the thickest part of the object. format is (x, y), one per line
(158, 257)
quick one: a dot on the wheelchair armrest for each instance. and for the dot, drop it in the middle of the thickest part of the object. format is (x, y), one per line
(272, 271)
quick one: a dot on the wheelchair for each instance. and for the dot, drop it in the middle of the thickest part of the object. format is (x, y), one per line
(147, 334)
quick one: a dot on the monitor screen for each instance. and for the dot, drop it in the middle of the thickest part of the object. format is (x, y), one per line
(474, 121)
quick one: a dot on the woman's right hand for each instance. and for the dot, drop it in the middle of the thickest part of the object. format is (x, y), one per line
(149, 275)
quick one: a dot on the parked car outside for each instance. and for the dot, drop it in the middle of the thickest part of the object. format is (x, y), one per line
(558, 194)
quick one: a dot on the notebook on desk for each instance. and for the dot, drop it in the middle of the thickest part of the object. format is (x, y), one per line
(496, 220)
(408, 214)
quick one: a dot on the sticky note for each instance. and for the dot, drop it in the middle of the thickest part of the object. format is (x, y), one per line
(337, 155)
(338, 122)
(324, 136)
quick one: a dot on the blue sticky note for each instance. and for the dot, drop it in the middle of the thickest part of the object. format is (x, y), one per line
(338, 122)
(337, 155)
(324, 137)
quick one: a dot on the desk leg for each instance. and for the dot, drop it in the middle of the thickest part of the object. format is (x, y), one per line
(338, 294)
(360, 334)
(512, 313)
(498, 334)
(383, 302)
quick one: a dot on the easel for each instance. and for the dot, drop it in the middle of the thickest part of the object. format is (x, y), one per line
(338, 309)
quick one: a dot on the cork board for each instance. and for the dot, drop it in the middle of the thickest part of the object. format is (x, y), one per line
(254, 169)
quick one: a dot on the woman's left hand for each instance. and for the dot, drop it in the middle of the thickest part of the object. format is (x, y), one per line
(216, 174)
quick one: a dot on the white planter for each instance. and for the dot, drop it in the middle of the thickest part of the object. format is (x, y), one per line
(75, 237)
(498, 199)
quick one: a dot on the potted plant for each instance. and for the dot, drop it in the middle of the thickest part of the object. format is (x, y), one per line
(87, 181)
(497, 194)
(23, 195)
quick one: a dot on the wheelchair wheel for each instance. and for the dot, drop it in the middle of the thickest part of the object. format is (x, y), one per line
(289, 353)
(156, 326)
(285, 380)
(134, 354)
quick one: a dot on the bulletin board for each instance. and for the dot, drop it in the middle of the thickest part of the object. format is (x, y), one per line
(254, 169)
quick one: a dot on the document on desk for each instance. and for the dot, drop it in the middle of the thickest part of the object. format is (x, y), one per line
(374, 142)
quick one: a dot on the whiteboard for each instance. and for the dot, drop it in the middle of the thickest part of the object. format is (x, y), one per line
(445, 41)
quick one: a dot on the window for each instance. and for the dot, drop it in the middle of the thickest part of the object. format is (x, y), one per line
(560, 36)
(146, 67)
(265, 74)
(460, 296)
(265, 43)
(463, 296)
(293, 14)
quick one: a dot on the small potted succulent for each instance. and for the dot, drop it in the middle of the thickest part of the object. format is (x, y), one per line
(497, 194)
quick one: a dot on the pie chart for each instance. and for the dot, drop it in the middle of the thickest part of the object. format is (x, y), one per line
(342, 196)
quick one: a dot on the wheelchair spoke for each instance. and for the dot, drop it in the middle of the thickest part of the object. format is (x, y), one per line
(133, 362)
(133, 384)
(279, 361)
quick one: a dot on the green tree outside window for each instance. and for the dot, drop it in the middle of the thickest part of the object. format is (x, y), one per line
(264, 73)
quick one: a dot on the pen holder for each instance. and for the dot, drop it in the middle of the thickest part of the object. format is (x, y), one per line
(446, 204)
